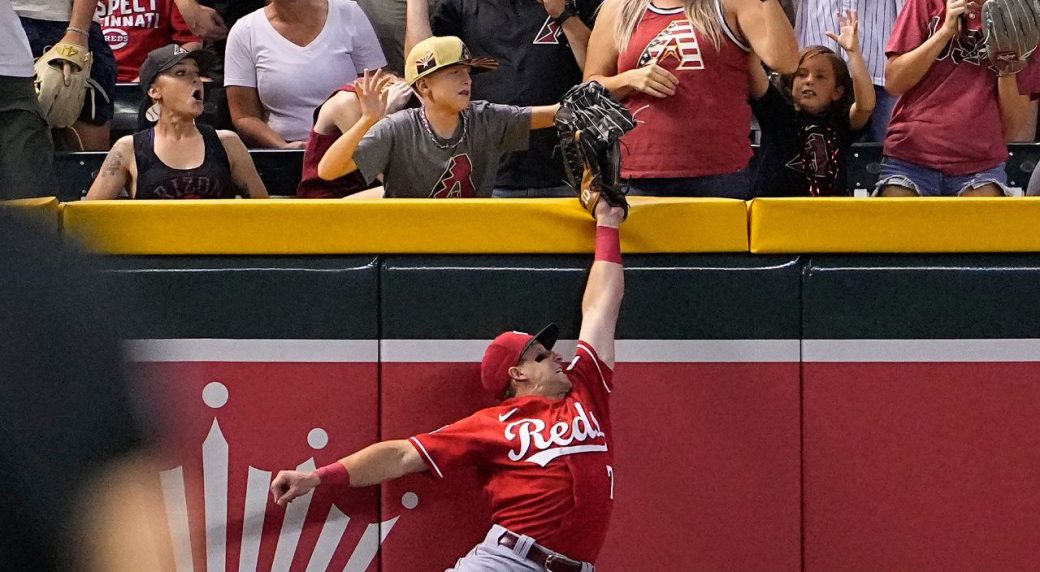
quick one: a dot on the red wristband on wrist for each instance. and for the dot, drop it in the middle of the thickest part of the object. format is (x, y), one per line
(608, 244)
(334, 474)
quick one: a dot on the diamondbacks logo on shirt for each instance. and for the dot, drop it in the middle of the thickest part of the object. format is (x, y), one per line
(678, 43)
(818, 160)
(534, 444)
(966, 47)
(549, 34)
(457, 180)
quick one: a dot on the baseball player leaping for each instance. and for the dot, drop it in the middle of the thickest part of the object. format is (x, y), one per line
(544, 454)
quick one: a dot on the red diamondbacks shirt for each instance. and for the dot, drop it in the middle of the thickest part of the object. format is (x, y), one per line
(950, 121)
(547, 466)
(701, 130)
(311, 185)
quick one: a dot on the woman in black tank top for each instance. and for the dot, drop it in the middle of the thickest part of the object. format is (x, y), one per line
(177, 159)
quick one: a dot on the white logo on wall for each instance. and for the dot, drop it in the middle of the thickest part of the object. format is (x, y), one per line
(215, 452)
(115, 38)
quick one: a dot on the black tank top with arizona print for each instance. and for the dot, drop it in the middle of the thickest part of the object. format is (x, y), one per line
(210, 180)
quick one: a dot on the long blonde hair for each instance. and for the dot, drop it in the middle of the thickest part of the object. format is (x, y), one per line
(701, 13)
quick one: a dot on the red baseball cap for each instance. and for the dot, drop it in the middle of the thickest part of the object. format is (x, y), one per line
(505, 352)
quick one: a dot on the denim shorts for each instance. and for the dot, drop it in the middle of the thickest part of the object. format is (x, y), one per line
(932, 183)
(98, 107)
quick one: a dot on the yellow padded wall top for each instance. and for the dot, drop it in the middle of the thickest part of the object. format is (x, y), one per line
(894, 225)
(416, 226)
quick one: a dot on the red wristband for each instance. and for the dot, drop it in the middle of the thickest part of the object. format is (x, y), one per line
(608, 244)
(334, 474)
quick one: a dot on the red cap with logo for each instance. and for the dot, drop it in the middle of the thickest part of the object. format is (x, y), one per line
(505, 352)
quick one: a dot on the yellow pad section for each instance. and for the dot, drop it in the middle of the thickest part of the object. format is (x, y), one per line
(46, 211)
(895, 225)
(407, 226)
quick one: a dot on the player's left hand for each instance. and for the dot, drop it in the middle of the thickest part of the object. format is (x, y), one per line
(849, 38)
(291, 484)
(608, 215)
(553, 7)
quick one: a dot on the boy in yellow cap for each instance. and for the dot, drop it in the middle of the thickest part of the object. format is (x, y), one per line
(448, 148)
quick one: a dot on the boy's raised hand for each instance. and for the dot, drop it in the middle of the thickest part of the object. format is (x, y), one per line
(849, 28)
(372, 94)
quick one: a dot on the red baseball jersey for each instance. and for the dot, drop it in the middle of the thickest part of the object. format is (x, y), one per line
(547, 466)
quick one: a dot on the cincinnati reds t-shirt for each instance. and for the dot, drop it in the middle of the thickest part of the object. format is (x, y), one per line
(950, 120)
(415, 163)
(132, 28)
(547, 466)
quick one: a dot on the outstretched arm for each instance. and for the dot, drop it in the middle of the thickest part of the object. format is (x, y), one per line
(373, 97)
(766, 27)
(862, 83)
(606, 285)
(417, 23)
(573, 27)
(372, 465)
(758, 80)
(543, 116)
(906, 70)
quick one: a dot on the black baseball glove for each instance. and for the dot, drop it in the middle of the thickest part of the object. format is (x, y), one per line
(590, 123)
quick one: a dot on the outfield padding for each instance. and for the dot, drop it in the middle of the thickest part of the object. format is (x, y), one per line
(894, 225)
(472, 226)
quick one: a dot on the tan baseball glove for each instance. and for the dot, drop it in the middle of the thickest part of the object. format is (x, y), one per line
(61, 92)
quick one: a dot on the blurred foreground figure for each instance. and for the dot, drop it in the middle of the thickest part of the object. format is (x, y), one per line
(79, 493)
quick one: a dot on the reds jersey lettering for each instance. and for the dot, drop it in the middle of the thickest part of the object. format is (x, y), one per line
(676, 43)
(457, 180)
(559, 439)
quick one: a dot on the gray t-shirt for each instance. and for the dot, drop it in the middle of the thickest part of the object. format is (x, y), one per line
(414, 165)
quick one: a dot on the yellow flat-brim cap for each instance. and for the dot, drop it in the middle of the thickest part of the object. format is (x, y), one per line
(439, 52)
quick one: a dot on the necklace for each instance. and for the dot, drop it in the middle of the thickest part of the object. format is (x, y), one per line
(442, 143)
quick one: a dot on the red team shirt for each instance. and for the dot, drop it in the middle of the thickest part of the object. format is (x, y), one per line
(950, 121)
(703, 128)
(547, 466)
(132, 28)
(311, 185)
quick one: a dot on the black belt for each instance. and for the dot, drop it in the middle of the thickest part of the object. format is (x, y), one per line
(547, 559)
